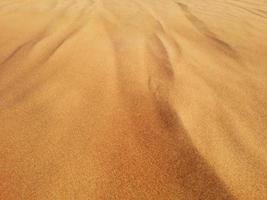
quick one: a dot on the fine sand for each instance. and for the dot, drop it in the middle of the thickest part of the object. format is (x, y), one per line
(133, 99)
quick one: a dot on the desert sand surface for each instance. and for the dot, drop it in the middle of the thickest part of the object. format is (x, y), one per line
(133, 99)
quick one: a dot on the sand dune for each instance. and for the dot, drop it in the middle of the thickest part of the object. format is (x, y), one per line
(141, 99)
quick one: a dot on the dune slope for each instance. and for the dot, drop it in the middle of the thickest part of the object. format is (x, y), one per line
(141, 99)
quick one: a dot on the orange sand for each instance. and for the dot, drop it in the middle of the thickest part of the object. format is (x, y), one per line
(133, 99)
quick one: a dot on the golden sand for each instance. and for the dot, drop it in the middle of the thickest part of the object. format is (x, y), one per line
(133, 99)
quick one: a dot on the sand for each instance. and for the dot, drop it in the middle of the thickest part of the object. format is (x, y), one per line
(133, 99)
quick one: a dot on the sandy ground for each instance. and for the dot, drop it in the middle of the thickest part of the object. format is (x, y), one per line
(133, 99)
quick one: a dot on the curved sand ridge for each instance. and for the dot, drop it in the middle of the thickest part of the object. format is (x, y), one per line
(139, 99)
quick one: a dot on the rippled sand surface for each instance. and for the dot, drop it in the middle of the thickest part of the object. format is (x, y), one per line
(133, 99)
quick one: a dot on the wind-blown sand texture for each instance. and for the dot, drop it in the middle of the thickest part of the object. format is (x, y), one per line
(133, 99)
